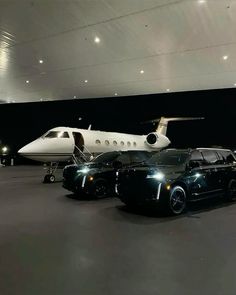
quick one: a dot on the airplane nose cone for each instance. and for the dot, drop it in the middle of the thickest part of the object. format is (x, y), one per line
(52, 150)
(22, 151)
(27, 149)
(31, 150)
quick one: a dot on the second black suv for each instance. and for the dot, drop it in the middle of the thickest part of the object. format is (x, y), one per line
(97, 178)
(172, 177)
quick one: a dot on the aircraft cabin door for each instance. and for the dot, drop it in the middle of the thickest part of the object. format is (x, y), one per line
(79, 142)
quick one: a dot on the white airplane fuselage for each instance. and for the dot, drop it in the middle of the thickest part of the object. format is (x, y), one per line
(59, 144)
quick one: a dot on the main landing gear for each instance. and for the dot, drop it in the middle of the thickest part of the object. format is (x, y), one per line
(50, 177)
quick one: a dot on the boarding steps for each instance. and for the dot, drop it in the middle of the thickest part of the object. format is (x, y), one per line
(82, 156)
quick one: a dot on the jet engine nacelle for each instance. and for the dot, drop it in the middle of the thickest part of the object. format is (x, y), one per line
(156, 140)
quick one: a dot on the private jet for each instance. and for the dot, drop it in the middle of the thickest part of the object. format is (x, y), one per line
(63, 144)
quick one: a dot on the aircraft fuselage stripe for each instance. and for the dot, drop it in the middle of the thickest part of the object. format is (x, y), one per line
(46, 155)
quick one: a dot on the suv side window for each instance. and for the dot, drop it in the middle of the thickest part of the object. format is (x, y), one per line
(221, 158)
(227, 156)
(196, 158)
(210, 157)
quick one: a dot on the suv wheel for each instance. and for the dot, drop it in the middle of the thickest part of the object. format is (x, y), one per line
(100, 189)
(231, 190)
(177, 200)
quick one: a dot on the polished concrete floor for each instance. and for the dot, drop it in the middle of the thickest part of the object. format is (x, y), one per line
(52, 244)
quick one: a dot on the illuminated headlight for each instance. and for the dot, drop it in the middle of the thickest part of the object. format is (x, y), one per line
(157, 176)
(197, 175)
(84, 170)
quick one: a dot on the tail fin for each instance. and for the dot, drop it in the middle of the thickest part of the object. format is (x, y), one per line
(163, 122)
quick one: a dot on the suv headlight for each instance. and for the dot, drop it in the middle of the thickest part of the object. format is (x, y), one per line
(84, 170)
(157, 176)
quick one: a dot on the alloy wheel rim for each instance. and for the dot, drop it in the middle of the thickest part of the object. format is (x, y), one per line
(100, 190)
(178, 200)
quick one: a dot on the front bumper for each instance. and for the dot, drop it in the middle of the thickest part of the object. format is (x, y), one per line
(142, 191)
(78, 185)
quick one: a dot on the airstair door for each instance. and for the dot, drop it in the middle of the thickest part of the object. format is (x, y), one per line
(79, 143)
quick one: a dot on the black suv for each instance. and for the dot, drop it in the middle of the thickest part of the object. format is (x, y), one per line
(172, 177)
(97, 178)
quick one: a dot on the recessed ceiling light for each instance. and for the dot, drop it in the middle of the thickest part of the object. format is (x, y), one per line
(142, 71)
(225, 57)
(41, 61)
(116, 94)
(201, 1)
(74, 96)
(168, 89)
(97, 40)
(41, 99)
(27, 81)
(85, 81)
(13, 101)
(234, 84)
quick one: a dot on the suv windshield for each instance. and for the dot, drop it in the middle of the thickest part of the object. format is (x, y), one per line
(171, 157)
(106, 157)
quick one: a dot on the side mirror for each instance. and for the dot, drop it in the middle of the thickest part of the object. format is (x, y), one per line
(117, 165)
(193, 164)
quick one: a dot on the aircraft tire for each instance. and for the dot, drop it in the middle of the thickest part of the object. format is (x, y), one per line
(49, 178)
(52, 178)
(45, 180)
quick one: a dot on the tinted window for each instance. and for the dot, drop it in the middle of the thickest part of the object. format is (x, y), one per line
(221, 158)
(172, 158)
(56, 134)
(196, 156)
(210, 156)
(227, 156)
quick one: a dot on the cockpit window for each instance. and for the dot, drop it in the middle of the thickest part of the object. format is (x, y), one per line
(56, 134)
(170, 157)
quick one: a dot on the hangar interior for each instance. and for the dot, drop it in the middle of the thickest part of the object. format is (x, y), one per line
(113, 64)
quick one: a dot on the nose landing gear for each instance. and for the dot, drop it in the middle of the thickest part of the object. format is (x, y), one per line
(50, 177)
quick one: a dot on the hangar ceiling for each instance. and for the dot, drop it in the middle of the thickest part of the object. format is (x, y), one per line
(72, 49)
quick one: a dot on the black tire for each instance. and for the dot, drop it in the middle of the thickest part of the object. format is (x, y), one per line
(100, 189)
(49, 178)
(231, 190)
(177, 200)
(46, 179)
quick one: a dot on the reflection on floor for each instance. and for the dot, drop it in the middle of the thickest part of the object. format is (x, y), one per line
(52, 244)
